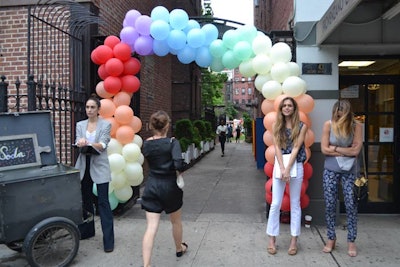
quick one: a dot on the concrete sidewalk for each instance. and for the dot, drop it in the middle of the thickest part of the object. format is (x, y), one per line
(224, 218)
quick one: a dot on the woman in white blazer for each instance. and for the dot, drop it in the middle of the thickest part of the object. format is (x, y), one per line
(94, 168)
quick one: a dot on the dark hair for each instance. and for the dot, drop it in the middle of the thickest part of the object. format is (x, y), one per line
(95, 99)
(159, 120)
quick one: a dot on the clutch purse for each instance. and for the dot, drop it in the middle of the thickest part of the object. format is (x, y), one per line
(179, 181)
(277, 169)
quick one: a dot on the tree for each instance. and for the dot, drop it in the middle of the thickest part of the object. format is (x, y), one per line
(211, 89)
(230, 111)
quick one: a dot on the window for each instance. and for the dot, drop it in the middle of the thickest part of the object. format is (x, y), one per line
(243, 91)
(243, 101)
(236, 91)
(249, 91)
(248, 101)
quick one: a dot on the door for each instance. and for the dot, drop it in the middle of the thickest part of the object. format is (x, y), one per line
(375, 102)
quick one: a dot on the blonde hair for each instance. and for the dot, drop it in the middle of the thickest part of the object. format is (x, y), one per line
(159, 121)
(280, 124)
(343, 124)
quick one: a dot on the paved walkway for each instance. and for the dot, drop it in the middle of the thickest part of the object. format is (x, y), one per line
(224, 225)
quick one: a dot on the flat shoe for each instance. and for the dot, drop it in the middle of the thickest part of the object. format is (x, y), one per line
(183, 251)
(271, 250)
(292, 251)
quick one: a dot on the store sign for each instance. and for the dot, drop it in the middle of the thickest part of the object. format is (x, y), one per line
(317, 68)
(19, 151)
(335, 14)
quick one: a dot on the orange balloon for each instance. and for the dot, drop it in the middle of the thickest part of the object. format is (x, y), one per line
(304, 118)
(267, 106)
(122, 98)
(308, 155)
(270, 154)
(107, 108)
(305, 103)
(123, 114)
(100, 91)
(114, 126)
(278, 100)
(268, 138)
(125, 134)
(269, 120)
(136, 124)
(310, 138)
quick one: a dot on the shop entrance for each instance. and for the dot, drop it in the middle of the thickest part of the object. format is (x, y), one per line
(375, 101)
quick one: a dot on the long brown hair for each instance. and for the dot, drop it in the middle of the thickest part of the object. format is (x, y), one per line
(342, 124)
(280, 124)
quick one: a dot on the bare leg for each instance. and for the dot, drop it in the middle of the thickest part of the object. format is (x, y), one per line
(177, 231)
(153, 220)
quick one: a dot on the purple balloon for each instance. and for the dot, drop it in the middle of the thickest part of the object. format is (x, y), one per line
(142, 24)
(131, 16)
(129, 35)
(144, 45)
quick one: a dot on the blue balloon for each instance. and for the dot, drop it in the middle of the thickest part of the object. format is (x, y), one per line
(195, 38)
(203, 57)
(187, 55)
(178, 19)
(159, 30)
(192, 24)
(211, 32)
(160, 13)
(160, 47)
(176, 39)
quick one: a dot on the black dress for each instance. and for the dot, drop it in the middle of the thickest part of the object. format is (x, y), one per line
(161, 192)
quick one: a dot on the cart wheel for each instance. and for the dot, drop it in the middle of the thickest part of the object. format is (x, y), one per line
(52, 242)
(16, 245)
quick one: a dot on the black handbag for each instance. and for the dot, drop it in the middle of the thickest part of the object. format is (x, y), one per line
(361, 181)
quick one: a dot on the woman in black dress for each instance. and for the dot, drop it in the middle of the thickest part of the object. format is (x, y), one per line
(161, 193)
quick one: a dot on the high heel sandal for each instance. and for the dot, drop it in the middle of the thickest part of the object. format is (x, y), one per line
(292, 249)
(352, 251)
(183, 251)
(330, 245)
(271, 249)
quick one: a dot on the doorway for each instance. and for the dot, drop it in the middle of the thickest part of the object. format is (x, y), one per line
(375, 102)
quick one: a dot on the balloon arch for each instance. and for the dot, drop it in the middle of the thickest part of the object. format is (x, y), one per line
(165, 32)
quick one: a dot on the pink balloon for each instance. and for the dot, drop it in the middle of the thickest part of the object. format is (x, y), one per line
(268, 138)
(270, 154)
(269, 120)
(305, 103)
(100, 91)
(267, 106)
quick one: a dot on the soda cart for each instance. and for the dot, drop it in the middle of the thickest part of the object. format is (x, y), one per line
(40, 199)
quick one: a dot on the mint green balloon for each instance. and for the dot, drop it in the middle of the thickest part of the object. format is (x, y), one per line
(217, 48)
(230, 38)
(242, 50)
(229, 60)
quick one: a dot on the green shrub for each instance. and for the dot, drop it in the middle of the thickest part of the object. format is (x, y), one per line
(184, 128)
(210, 134)
(199, 124)
(184, 142)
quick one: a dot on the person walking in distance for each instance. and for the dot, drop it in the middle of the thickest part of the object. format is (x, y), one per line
(221, 132)
(161, 192)
(95, 168)
(341, 143)
(238, 132)
(289, 134)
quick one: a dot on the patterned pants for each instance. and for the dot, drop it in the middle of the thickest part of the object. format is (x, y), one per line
(331, 185)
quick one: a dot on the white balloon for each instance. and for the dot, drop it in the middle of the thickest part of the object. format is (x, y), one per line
(261, 45)
(138, 140)
(280, 71)
(262, 64)
(261, 80)
(246, 68)
(293, 86)
(131, 152)
(118, 180)
(271, 90)
(114, 147)
(294, 68)
(134, 173)
(123, 194)
(280, 52)
(141, 159)
(117, 162)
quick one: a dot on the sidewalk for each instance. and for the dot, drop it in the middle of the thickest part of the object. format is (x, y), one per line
(224, 219)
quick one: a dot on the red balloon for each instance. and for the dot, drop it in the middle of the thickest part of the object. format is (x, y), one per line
(304, 187)
(132, 66)
(102, 54)
(122, 51)
(130, 83)
(308, 171)
(101, 71)
(114, 67)
(304, 201)
(268, 168)
(268, 186)
(287, 189)
(111, 41)
(93, 57)
(268, 198)
(112, 84)
(285, 203)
